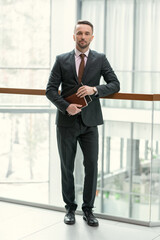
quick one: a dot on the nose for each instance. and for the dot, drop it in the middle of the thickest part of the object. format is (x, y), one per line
(83, 36)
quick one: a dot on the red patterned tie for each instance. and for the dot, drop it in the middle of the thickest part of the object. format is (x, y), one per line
(81, 68)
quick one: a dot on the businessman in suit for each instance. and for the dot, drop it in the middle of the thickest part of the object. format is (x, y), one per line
(76, 124)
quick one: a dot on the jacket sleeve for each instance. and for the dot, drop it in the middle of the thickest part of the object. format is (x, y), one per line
(54, 82)
(112, 84)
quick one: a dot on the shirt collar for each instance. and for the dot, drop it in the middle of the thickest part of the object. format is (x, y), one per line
(77, 52)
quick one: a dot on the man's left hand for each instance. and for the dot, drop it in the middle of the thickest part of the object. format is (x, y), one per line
(84, 91)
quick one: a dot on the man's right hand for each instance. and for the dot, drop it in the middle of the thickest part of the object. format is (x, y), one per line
(73, 109)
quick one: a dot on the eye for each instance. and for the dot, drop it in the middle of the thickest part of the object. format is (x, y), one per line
(79, 33)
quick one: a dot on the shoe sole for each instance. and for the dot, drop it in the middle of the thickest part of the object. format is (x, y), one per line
(69, 223)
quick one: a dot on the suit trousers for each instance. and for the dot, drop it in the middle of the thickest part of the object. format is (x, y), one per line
(67, 138)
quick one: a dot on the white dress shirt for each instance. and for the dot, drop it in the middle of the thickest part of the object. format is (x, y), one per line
(78, 58)
(78, 61)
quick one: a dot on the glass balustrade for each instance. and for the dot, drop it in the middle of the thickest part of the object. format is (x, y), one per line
(155, 166)
(128, 167)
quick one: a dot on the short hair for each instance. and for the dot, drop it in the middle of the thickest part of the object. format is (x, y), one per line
(84, 22)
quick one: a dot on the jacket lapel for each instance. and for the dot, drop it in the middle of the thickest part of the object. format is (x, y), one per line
(88, 64)
(72, 60)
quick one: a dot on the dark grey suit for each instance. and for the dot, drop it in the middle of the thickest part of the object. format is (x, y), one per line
(81, 127)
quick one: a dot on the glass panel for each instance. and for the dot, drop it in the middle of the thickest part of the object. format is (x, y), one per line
(119, 33)
(31, 79)
(24, 156)
(114, 203)
(24, 31)
(155, 191)
(17, 100)
(94, 11)
(151, 83)
(30, 165)
(124, 172)
(23, 78)
(126, 87)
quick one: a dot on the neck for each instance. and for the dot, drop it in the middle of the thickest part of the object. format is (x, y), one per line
(82, 50)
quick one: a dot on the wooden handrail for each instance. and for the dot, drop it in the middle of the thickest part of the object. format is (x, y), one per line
(23, 91)
(120, 96)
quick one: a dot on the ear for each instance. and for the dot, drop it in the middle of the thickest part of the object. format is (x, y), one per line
(92, 38)
(74, 37)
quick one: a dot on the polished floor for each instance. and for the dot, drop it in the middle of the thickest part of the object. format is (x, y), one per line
(22, 222)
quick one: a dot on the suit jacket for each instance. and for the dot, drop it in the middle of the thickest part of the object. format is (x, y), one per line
(64, 73)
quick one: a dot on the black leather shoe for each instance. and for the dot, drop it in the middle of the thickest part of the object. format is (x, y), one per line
(90, 218)
(69, 218)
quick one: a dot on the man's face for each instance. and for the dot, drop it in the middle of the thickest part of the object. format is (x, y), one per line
(83, 36)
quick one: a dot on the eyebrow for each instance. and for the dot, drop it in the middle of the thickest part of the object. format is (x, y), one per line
(81, 32)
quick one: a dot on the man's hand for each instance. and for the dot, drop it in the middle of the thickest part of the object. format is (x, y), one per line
(73, 109)
(84, 91)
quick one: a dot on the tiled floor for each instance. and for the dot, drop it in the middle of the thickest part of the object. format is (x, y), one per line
(21, 222)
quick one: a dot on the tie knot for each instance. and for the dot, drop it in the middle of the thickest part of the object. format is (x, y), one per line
(82, 55)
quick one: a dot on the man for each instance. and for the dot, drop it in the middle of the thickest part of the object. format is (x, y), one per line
(80, 124)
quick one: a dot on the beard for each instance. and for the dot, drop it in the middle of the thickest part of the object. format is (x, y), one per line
(83, 46)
